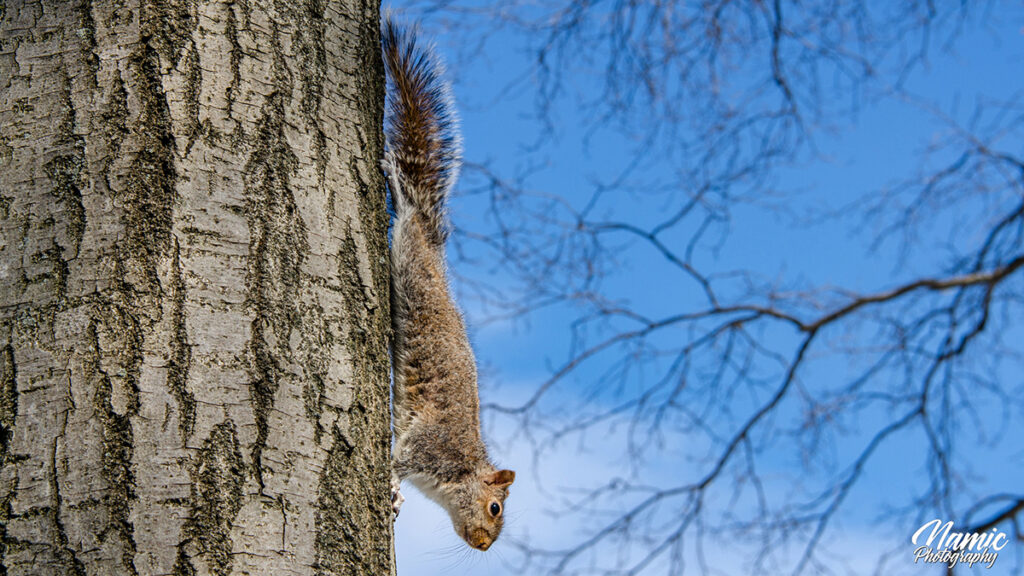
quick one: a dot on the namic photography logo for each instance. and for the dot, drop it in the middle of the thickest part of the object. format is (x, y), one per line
(938, 543)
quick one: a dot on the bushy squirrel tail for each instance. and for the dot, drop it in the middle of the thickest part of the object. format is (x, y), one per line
(423, 146)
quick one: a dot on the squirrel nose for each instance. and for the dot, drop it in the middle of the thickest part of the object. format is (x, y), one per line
(480, 540)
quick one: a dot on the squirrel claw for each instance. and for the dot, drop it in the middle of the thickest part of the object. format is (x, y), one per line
(396, 498)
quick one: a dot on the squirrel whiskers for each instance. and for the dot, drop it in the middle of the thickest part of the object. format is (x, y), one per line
(438, 446)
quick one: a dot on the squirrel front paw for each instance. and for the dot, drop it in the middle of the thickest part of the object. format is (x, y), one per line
(396, 497)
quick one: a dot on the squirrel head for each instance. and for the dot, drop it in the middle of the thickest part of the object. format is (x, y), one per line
(477, 507)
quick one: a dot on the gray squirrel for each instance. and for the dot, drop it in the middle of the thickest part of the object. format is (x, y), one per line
(438, 446)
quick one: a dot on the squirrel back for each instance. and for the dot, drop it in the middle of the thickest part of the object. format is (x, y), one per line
(438, 445)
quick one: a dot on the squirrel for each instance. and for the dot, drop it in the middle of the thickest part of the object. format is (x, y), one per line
(436, 410)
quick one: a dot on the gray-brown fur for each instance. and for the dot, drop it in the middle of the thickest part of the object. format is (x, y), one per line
(436, 408)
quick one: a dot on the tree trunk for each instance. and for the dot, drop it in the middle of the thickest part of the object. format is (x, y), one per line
(193, 288)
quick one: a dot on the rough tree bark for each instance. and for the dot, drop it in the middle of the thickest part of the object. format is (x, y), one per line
(193, 288)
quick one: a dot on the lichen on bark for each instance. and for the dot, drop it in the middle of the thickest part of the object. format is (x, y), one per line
(113, 120)
(169, 23)
(117, 447)
(149, 191)
(237, 133)
(65, 169)
(313, 63)
(181, 352)
(8, 399)
(193, 81)
(218, 476)
(8, 414)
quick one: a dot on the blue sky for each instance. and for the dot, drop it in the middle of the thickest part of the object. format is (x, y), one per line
(865, 152)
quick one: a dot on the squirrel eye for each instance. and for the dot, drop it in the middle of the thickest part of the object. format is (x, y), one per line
(495, 509)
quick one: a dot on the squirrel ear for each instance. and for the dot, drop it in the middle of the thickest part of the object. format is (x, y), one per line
(500, 478)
